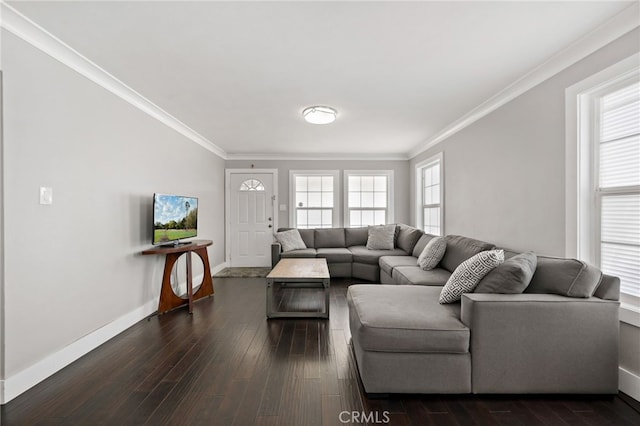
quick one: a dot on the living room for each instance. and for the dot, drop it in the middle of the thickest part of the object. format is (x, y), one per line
(105, 104)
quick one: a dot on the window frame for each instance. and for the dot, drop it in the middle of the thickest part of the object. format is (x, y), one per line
(419, 176)
(335, 216)
(389, 216)
(597, 192)
(582, 153)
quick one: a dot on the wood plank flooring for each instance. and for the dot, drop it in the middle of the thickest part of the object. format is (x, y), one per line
(227, 365)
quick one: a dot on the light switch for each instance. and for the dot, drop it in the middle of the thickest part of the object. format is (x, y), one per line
(283, 207)
(46, 195)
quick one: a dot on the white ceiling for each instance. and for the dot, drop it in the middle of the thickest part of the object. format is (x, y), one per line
(240, 73)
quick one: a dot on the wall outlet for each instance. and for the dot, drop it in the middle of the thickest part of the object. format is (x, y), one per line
(46, 195)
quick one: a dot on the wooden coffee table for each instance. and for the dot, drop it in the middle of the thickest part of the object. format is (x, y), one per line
(299, 273)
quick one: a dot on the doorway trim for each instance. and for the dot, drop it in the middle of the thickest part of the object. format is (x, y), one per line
(227, 204)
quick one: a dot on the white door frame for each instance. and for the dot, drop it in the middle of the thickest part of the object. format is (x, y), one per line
(227, 204)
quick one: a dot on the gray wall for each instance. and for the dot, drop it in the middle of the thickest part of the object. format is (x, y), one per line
(505, 174)
(510, 164)
(400, 179)
(74, 266)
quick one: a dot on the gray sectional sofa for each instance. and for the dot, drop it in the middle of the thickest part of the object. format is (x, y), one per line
(558, 336)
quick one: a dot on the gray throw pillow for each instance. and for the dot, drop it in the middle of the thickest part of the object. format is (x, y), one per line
(469, 273)
(432, 253)
(408, 236)
(381, 237)
(511, 277)
(568, 277)
(290, 240)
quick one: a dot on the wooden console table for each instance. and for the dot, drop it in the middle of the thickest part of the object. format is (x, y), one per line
(168, 299)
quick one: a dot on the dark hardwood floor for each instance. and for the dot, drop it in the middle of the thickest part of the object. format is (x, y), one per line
(227, 365)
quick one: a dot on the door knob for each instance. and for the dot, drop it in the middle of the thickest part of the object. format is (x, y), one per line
(269, 219)
(270, 226)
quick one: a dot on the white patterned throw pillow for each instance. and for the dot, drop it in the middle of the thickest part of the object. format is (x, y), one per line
(290, 240)
(467, 276)
(432, 254)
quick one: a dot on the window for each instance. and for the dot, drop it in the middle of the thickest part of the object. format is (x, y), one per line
(617, 147)
(606, 209)
(429, 195)
(252, 185)
(368, 197)
(313, 197)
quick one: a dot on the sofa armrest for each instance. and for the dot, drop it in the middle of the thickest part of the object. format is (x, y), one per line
(276, 249)
(542, 343)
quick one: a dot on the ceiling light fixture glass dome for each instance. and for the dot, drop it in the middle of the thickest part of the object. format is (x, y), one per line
(319, 114)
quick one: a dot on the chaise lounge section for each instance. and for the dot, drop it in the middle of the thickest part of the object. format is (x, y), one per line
(406, 342)
(558, 336)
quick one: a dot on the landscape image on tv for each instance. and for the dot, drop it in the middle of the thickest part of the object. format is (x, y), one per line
(174, 217)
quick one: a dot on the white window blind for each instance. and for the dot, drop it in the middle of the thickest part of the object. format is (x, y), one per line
(618, 186)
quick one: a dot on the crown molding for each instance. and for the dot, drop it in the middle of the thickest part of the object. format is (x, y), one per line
(318, 157)
(22, 27)
(32, 33)
(616, 27)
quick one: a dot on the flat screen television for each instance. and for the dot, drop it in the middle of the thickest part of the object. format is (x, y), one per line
(174, 218)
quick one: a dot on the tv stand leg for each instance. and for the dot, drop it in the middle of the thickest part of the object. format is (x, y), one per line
(190, 282)
(168, 299)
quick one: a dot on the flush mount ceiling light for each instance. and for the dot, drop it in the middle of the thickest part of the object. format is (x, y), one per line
(319, 114)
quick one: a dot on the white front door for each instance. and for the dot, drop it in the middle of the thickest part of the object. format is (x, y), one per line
(251, 218)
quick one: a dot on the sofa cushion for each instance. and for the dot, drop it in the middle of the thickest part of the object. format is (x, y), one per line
(408, 236)
(290, 240)
(362, 254)
(329, 238)
(387, 263)
(460, 249)
(390, 318)
(609, 288)
(356, 236)
(309, 252)
(335, 255)
(432, 253)
(467, 276)
(508, 253)
(420, 245)
(381, 237)
(308, 237)
(511, 277)
(415, 275)
(567, 277)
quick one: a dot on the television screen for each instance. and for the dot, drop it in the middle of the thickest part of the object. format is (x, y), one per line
(174, 218)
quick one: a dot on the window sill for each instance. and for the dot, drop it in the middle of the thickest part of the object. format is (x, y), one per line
(630, 314)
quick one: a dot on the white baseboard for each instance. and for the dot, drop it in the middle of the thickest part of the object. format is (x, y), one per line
(15, 385)
(31, 376)
(219, 268)
(181, 287)
(629, 383)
